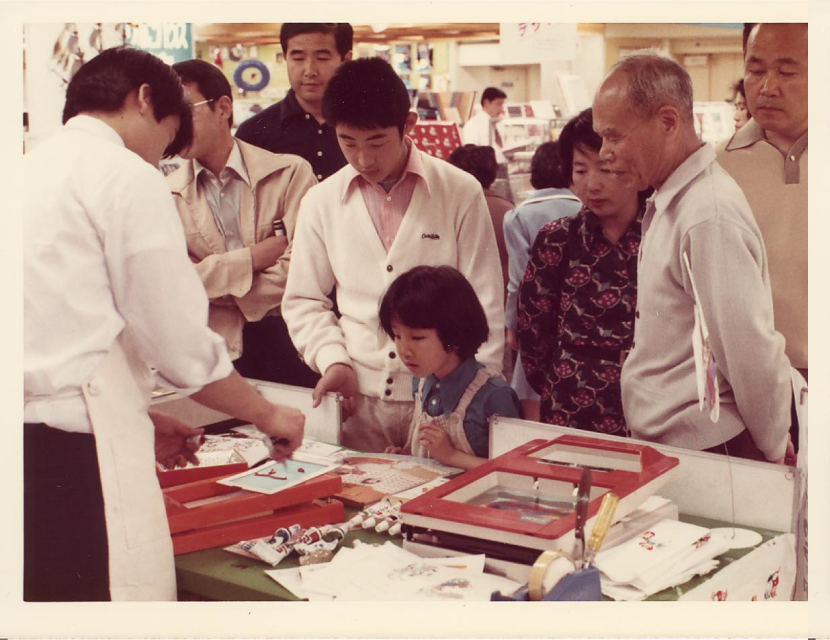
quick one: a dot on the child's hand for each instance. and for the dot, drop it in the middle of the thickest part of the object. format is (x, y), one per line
(437, 442)
(393, 450)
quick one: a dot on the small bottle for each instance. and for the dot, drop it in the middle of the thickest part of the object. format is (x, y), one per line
(279, 228)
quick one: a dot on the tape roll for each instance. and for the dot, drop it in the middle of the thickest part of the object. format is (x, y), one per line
(549, 568)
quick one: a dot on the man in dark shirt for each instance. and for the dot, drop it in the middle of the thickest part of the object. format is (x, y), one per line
(313, 52)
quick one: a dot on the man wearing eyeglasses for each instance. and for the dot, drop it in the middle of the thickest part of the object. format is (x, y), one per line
(701, 259)
(238, 204)
(313, 52)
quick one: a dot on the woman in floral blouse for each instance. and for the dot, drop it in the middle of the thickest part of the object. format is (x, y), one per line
(579, 293)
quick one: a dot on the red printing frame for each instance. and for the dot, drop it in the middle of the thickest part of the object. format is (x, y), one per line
(518, 461)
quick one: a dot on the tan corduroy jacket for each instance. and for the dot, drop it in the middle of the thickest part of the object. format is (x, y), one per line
(238, 294)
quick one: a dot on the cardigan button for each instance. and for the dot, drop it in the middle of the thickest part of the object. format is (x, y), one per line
(389, 267)
(389, 380)
(388, 392)
(392, 355)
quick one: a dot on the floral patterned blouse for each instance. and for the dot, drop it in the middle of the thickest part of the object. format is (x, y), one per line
(576, 320)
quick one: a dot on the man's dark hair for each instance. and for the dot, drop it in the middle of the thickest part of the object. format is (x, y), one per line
(437, 298)
(546, 168)
(102, 85)
(578, 132)
(208, 78)
(342, 32)
(366, 94)
(748, 27)
(479, 161)
(492, 93)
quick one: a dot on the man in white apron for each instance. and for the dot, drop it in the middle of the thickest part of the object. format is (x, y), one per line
(109, 293)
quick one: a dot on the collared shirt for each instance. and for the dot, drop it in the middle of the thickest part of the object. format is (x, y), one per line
(104, 250)
(387, 209)
(752, 132)
(776, 187)
(521, 225)
(440, 397)
(285, 127)
(223, 195)
(700, 211)
(575, 316)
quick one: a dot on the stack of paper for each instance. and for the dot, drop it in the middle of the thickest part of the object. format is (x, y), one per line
(668, 554)
(387, 572)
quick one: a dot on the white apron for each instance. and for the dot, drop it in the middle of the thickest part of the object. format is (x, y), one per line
(454, 425)
(140, 550)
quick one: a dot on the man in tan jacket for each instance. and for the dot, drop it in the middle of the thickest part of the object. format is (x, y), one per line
(238, 205)
(768, 160)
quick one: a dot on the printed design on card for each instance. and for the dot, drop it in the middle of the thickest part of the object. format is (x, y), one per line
(699, 543)
(720, 595)
(772, 589)
(648, 542)
(452, 589)
(414, 570)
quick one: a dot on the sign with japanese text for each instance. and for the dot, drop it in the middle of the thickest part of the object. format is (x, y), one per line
(531, 42)
(170, 41)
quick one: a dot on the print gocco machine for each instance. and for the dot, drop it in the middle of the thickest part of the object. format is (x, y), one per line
(524, 502)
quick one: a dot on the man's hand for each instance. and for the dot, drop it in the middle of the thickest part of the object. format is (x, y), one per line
(176, 442)
(437, 442)
(512, 339)
(789, 458)
(285, 425)
(265, 253)
(395, 450)
(338, 378)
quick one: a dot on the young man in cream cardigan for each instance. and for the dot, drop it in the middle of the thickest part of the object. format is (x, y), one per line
(392, 208)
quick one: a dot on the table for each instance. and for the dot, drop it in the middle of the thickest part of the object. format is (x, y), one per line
(216, 574)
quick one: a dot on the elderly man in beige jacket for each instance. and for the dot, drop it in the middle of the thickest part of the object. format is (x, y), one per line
(702, 262)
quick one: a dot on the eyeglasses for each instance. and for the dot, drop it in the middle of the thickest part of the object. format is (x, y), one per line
(198, 104)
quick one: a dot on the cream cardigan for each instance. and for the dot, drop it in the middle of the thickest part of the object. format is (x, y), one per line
(336, 244)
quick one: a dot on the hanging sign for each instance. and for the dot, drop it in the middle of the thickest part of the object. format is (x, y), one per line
(170, 41)
(531, 42)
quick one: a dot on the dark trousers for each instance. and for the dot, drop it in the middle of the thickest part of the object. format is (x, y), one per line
(268, 354)
(65, 556)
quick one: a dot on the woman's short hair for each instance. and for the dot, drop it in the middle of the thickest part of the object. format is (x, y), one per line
(366, 94)
(439, 298)
(738, 88)
(579, 132)
(546, 168)
(479, 161)
(102, 85)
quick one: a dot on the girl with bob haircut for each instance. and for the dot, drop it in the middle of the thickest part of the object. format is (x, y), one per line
(438, 325)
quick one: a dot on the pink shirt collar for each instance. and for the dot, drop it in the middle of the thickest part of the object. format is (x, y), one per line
(414, 165)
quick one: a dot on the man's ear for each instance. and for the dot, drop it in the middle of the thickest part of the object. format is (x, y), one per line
(225, 106)
(347, 57)
(144, 98)
(411, 119)
(669, 118)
